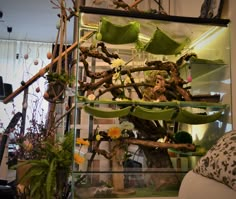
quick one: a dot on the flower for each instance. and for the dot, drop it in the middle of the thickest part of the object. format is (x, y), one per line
(27, 145)
(116, 63)
(126, 125)
(118, 99)
(91, 97)
(78, 159)
(116, 78)
(82, 141)
(114, 132)
(127, 80)
(98, 137)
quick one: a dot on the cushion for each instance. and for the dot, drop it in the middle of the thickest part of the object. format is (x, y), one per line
(219, 163)
(195, 186)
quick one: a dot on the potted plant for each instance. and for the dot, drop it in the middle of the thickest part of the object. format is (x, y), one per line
(57, 84)
(47, 177)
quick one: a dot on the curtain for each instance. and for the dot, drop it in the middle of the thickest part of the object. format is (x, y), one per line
(19, 61)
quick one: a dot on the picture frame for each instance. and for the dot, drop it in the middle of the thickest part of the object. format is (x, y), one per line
(212, 9)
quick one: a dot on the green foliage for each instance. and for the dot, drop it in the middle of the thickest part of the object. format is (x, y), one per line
(42, 175)
(63, 77)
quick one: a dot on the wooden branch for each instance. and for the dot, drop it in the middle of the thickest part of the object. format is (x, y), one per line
(140, 95)
(104, 153)
(113, 87)
(104, 50)
(135, 3)
(121, 4)
(66, 113)
(95, 53)
(45, 69)
(153, 144)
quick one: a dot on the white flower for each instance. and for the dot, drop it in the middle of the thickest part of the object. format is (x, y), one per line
(119, 99)
(160, 140)
(127, 80)
(116, 78)
(117, 63)
(126, 125)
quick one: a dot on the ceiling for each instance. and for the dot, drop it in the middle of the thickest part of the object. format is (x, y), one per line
(31, 20)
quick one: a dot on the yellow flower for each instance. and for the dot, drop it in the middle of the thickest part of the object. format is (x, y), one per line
(78, 159)
(79, 140)
(82, 141)
(114, 132)
(117, 63)
(98, 137)
(86, 142)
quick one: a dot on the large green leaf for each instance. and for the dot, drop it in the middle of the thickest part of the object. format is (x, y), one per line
(50, 181)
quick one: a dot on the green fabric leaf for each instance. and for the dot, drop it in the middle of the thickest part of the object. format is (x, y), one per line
(153, 114)
(118, 34)
(161, 43)
(99, 112)
(192, 118)
(194, 60)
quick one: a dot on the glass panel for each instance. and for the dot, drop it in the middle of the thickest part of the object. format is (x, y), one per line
(147, 112)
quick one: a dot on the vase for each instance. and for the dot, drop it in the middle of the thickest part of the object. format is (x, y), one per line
(22, 187)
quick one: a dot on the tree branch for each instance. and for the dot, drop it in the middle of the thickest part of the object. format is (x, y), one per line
(153, 144)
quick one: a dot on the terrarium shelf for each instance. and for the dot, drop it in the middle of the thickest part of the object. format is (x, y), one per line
(174, 104)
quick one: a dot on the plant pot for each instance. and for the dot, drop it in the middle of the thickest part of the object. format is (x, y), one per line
(22, 187)
(21, 171)
(55, 92)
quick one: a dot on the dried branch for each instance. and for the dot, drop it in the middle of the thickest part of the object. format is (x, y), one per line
(114, 87)
(104, 50)
(121, 4)
(104, 153)
(153, 144)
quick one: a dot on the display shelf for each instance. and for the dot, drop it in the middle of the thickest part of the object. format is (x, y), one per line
(175, 104)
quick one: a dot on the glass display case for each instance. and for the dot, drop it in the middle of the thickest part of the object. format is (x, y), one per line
(153, 95)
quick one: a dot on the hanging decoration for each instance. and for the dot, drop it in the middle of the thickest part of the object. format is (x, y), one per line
(49, 55)
(26, 56)
(36, 62)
